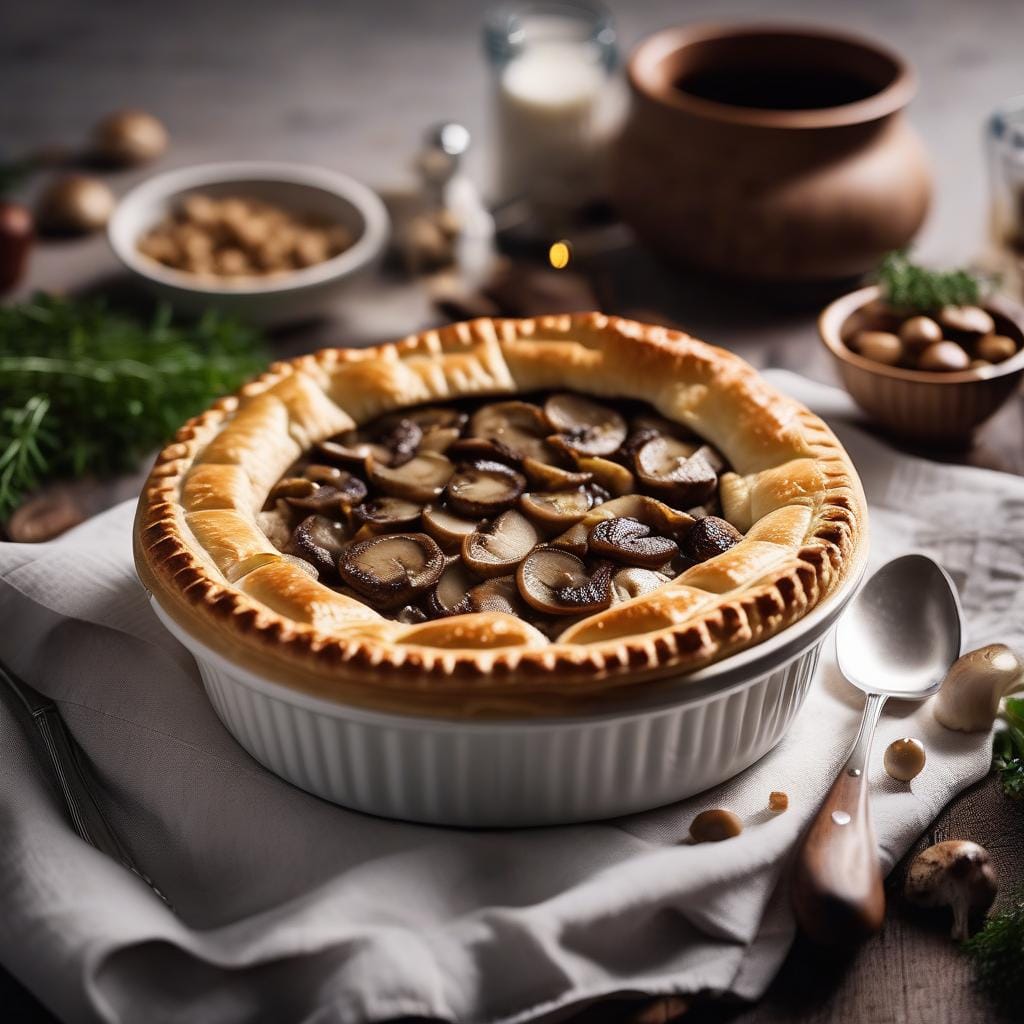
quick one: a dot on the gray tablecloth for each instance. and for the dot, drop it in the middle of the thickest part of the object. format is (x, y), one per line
(287, 908)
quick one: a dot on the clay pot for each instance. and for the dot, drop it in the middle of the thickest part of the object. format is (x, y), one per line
(730, 162)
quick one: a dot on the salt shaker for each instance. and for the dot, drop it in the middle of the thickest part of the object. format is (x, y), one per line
(555, 103)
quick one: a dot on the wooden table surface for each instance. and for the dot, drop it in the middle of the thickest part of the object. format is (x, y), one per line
(353, 86)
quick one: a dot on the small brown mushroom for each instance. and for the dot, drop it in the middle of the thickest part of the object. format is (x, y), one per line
(75, 204)
(686, 479)
(496, 549)
(446, 528)
(714, 825)
(398, 434)
(545, 477)
(904, 759)
(630, 542)
(321, 474)
(422, 478)
(958, 874)
(615, 478)
(558, 583)
(331, 499)
(518, 428)
(496, 595)
(966, 319)
(918, 332)
(129, 137)
(321, 542)
(558, 509)
(574, 540)
(451, 595)
(484, 489)
(389, 513)
(879, 346)
(995, 348)
(633, 582)
(975, 684)
(388, 570)
(585, 426)
(293, 487)
(708, 537)
(943, 357)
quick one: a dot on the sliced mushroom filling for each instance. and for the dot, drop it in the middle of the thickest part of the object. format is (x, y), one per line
(544, 508)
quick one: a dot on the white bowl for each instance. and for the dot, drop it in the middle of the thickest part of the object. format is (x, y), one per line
(311, 191)
(646, 752)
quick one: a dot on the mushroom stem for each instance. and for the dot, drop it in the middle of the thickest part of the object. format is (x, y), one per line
(973, 688)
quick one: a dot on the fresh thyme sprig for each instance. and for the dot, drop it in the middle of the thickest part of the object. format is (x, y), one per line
(910, 287)
(1008, 748)
(86, 390)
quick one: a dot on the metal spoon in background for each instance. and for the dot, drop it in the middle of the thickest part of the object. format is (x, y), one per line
(897, 639)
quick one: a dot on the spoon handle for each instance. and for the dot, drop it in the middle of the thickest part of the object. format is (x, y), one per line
(837, 880)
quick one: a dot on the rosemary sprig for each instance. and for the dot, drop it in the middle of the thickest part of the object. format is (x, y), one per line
(910, 287)
(997, 952)
(86, 390)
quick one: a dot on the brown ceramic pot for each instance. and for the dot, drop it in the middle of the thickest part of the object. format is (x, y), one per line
(768, 153)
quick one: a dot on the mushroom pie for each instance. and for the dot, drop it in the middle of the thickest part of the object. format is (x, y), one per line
(502, 516)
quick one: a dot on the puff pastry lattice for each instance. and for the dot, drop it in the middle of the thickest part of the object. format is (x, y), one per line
(792, 491)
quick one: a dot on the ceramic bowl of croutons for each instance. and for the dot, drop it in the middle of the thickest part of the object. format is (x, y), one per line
(267, 242)
(928, 375)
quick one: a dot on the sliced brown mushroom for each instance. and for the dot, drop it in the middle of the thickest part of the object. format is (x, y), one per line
(446, 527)
(585, 426)
(321, 542)
(496, 595)
(410, 615)
(615, 478)
(709, 537)
(516, 427)
(437, 417)
(496, 549)
(390, 569)
(351, 456)
(558, 509)
(475, 449)
(545, 477)
(687, 477)
(293, 487)
(662, 518)
(389, 513)
(332, 499)
(484, 489)
(635, 582)
(558, 583)
(440, 439)
(574, 540)
(321, 474)
(630, 542)
(451, 595)
(422, 478)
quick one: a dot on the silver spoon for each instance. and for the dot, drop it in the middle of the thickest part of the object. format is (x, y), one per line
(897, 639)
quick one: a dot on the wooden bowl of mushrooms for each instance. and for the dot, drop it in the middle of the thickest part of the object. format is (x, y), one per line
(930, 374)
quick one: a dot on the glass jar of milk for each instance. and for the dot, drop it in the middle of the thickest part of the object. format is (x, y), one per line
(555, 107)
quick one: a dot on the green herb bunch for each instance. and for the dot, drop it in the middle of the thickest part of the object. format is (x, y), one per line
(1008, 748)
(998, 955)
(910, 287)
(85, 390)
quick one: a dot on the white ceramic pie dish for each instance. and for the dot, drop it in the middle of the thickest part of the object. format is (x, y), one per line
(311, 191)
(646, 752)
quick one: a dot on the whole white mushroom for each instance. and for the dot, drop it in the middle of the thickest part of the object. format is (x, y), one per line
(958, 874)
(970, 694)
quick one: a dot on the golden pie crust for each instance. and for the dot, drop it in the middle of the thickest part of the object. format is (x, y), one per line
(791, 489)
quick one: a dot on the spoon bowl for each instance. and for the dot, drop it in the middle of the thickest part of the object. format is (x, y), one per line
(902, 631)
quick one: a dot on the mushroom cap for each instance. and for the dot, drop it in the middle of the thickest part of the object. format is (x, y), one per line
(517, 427)
(389, 569)
(484, 489)
(708, 537)
(496, 549)
(630, 542)
(447, 528)
(585, 426)
(685, 474)
(904, 759)
(558, 509)
(958, 874)
(422, 478)
(389, 512)
(321, 542)
(975, 684)
(557, 582)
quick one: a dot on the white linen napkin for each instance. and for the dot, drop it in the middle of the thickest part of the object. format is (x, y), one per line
(290, 909)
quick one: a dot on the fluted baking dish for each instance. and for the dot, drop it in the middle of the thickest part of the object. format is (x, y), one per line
(692, 735)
